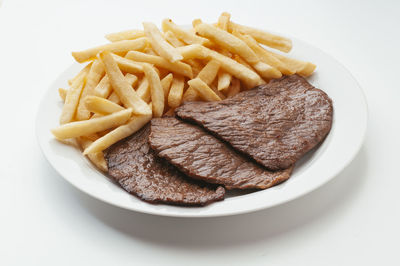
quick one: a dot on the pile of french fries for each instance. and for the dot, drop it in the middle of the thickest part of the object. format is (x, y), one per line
(147, 73)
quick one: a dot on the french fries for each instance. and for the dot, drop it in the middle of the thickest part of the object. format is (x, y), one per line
(96, 158)
(204, 90)
(125, 92)
(227, 41)
(263, 54)
(209, 72)
(95, 74)
(176, 91)
(224, 80)
(115, 47)
(102, 106)
(193, 51)
(72, 98)
(186, 36)
(159, 44)
(263, 37)
(121, 132)
(177, 67)
(124, 35)
(171, 38)
(143, 91)
(103, 89)
(63, 93)
(87, 127)
(146, 73)
(166, 84)
(83, 72)
(249, 77)
(223, 21)
(267, 71)
(297, 66)
(156, 89)
(131, 79)
(127, 65)
(234, 88)
(114, 98)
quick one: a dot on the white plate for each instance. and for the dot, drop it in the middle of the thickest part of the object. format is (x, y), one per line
(315, 169)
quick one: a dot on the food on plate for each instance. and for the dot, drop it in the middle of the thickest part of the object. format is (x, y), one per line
(275, 124)
(254, 121)
(115, 47)
(122, 88)
(159, 44)
(202, 156)
(87, 127)
(138, 170)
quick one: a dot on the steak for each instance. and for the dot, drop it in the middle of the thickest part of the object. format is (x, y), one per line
(202, 156)
(275, 123)
(135, 166)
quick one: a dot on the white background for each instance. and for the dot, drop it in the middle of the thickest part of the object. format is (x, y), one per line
(353, 220)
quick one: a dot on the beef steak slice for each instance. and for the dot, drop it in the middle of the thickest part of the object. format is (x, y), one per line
(202, 156)
(135, 166)
(275, 123)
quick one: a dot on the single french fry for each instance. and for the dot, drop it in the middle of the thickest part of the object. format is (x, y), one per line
(72, 98)
(124, 90)
(186, 36)
(132, 79)
(209, 72)
(263, 37)
(103, 89)
(143, 90)
(249, 77)
(121, 132)
(300, 67)
(114, 98)
(264, 55)
(227, 41)
(63, 93)
(177, 67)
(83, 71)
(267, 71)
(101, 106)
(166, 84)
(159, 44)
(95, 74)
(124, 35)
(176, 91)
(192, 51)
(157, 92)
(223, 21)
(115, 47)
(234, 88)
(171, 38)
(224, 80)
(128, 65)
(86, 127)
(203, 89)
(96, 158)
